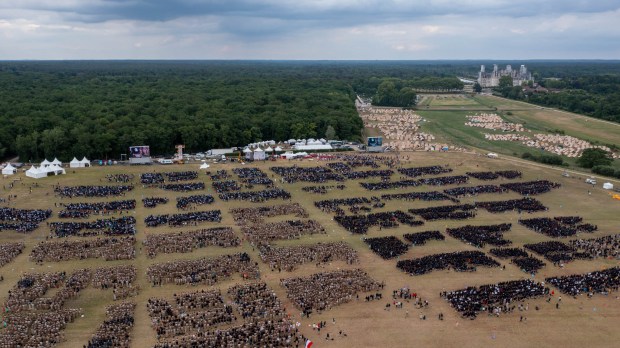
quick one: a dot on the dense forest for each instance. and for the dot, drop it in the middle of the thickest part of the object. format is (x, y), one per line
(100, 108)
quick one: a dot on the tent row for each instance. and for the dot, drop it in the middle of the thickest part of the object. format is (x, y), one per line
(75, 163)
(43, 172)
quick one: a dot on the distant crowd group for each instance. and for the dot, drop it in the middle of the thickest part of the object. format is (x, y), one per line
(202, 271)
(185, 219)
(459, 261)
(289, 258)
(187, 241)
(321, 291)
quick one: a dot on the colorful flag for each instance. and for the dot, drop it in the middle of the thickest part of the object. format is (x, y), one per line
(308, 343)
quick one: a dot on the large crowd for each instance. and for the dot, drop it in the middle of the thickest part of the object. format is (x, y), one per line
(389, 185)
(116, 328)
(460, 261)
(256, 196)
(190, 201)
(22, 220)
(479, 236)
(189, 313)
(445, 180)
(120, 178)
(289, 258)
(326, 290)
(365, 174)
(531, 187)
(82, 210)
(184, 187)
(322, 189)
(182, 176)
(265, 322)
(307, 174)
(333, 205)
(422, 196)
(605, 247)
(185, 219)
(257, 215)
(92, 191)
(526, 204)
(225, 186)
(125, 225)
(494, 299)
(419, 171)
(253, 176)
(150, 179)
(556, 252)
(9, 251)
(554, 227)
(202, 271)
(152, 202)
(187, 241)
(35, 329)
(111, 248)
(473, 190)
(451, 212)
(387, 247)
(590, 283)
(420, 238)
(288, 229)
(520, 258)
(359, 224)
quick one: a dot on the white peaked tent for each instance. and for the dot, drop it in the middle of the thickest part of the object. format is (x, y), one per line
(35, 173)
(9, 170)
(56, 162)
(269, 149)
(85, 162)
(75, 163)
(248, 153)
(45, 163)
(56, 169)
(278, 149)
(259, 154)
(204, 166)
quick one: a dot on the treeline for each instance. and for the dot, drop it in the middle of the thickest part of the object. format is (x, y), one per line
(389, 91)
(99, 109)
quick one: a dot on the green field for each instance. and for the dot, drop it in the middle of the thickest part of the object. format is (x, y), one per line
(366, 324)
(449, 127)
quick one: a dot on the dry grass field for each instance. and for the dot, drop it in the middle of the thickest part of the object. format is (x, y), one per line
(578, 322)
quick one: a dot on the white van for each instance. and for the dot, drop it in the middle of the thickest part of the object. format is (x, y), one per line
(165, 161)
(591, 181)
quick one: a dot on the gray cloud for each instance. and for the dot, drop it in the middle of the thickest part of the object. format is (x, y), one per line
(317, 29)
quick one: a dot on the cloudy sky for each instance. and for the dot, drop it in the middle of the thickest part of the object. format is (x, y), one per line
(309, 29)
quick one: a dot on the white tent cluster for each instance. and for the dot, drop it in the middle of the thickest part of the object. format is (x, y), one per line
(257, 154)
(46, 169)
(75, 163)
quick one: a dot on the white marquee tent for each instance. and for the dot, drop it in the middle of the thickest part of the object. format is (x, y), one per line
(259, 155)
(56, 169)
(75, 163)
(85, 162)
(248, 153)
(9, 170)
(204, 166)
(35, 173)
(56, 162)
(45, 163)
